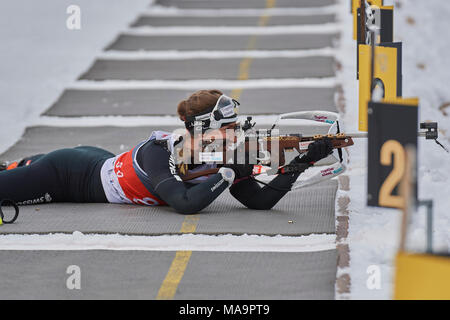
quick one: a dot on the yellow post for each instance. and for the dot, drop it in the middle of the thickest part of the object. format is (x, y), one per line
(406, 193)
(385, 70)
(422, 277)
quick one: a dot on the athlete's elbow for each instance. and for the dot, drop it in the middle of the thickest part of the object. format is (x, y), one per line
(186, 209)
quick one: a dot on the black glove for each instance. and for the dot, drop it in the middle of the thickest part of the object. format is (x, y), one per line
(241, 170)
(317, 150)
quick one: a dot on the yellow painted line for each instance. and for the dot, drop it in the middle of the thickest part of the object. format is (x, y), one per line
(176, 271)
(244, 66)
(174, 276)
(190, 223)
(178, 267)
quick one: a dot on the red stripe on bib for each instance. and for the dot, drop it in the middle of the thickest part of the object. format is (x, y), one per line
(130, 183)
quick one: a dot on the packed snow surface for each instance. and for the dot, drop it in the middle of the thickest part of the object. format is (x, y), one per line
(40, 56)
(374, 232)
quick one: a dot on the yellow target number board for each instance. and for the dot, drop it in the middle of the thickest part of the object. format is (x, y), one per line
(387, 71)
(392, 127)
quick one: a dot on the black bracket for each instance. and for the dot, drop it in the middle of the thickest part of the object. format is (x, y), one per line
(432, 130)
(248, 124)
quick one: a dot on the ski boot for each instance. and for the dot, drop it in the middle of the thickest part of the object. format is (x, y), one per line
(7, 165)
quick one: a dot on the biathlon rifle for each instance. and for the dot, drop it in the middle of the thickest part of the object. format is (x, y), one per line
(298, 142)
(260, 142)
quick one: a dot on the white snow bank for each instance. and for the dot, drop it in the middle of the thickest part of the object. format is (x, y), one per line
(40, 56)
(157, 10)
(211, 83)
(188, 242)
(213, 54)
(325, 28)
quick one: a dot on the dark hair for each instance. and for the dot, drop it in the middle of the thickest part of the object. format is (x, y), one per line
(197, 102)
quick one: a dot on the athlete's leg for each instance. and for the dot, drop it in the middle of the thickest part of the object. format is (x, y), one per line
(82, 166)
(36, 183)
(65, 175)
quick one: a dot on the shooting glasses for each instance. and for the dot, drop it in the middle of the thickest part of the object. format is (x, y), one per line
(225, 111)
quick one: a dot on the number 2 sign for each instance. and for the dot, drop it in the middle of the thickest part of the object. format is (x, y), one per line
(392, 127)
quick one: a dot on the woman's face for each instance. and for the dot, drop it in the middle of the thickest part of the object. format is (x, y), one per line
(221, 133)
(218, 134)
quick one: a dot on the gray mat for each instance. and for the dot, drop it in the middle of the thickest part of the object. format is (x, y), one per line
(106, 275)
(307, 211)
(170, 21)
(231, 4)
(302, 212)
(164, 101)
(224, 42)
(227, 69)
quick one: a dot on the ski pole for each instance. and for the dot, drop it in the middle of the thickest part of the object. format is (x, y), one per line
(2, 216)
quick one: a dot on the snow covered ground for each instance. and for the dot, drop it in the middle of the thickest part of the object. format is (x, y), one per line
(185, 242)
(374, 232)
(40, 56)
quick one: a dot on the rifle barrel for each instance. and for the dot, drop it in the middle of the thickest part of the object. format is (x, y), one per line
(365, 134)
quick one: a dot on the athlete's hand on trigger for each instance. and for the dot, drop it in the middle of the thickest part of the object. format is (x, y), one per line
(317, 150)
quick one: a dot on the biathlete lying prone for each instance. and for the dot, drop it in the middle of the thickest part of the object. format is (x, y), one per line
(147, 174)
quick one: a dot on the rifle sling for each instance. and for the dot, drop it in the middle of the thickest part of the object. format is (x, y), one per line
(193, 175)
